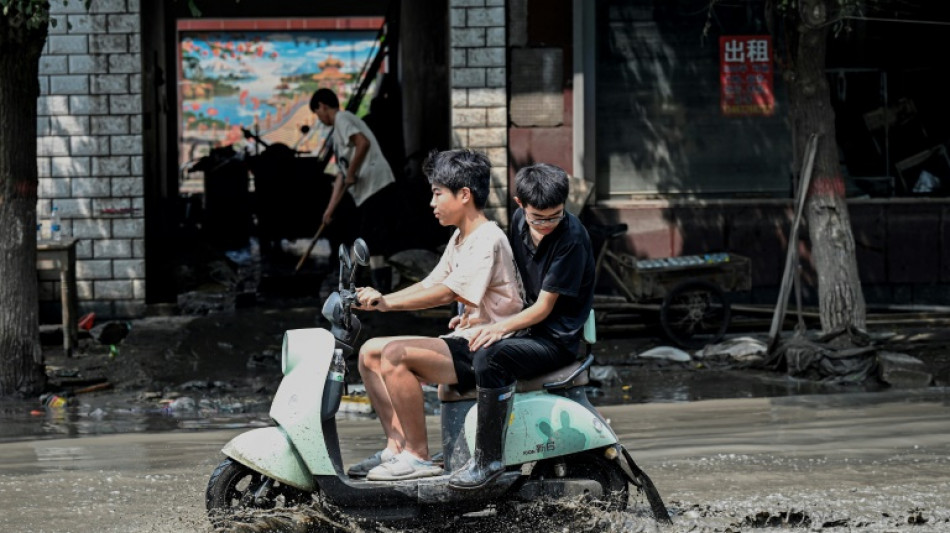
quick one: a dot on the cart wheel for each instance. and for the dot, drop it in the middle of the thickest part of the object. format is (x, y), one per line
(695, 313)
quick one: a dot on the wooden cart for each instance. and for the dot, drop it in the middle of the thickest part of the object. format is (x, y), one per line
(688, 292)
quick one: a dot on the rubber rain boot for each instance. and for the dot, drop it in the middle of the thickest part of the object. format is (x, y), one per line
(487, 463)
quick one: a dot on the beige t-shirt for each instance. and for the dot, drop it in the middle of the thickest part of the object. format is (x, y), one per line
(374, 173)
(480, 270)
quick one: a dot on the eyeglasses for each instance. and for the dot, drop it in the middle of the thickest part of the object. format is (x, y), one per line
(550, 221)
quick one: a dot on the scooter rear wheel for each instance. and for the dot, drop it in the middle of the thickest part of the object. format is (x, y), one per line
(230, 496)
(615, 492)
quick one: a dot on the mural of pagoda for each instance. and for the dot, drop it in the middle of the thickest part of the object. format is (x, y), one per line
(330, 75)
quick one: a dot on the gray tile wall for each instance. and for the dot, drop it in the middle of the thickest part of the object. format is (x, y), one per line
(90, 150)
(479, 97)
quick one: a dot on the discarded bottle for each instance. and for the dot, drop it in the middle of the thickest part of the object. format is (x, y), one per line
(52, 401)
(55, 230)
(333, 388)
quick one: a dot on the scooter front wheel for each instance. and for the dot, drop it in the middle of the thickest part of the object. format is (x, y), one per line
(236, 494)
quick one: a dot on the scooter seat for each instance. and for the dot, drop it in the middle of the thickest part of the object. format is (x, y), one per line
(448, 393)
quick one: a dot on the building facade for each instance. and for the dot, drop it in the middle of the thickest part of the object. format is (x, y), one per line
(626, 94)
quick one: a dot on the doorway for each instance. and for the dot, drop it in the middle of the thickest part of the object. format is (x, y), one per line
(230, 171)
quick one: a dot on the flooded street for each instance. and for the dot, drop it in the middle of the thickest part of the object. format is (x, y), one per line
(860, 462)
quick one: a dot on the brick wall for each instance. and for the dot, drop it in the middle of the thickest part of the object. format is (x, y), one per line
(479, 97)
(89, 141)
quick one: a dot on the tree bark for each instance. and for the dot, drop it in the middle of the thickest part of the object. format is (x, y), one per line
(21, 364)
(841, 299)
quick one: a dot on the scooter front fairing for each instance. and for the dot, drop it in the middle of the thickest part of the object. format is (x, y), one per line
(294, 451)
(269, 451)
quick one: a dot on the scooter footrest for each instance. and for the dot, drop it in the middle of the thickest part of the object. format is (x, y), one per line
(436, 490)
(557, 489)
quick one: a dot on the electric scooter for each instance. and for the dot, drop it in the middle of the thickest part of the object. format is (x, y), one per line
(558, 447)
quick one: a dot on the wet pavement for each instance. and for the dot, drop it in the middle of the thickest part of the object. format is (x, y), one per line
(729, 449)
(218, 367)
(198, 405)
(833, 463)
(220, 370)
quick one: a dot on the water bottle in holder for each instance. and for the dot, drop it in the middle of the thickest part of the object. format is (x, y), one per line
(333, 389)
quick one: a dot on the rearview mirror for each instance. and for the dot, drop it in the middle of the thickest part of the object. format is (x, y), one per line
(361, 252)
(345, 260)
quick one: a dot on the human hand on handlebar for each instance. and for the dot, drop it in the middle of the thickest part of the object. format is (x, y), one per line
(370, 299)
(486, 336)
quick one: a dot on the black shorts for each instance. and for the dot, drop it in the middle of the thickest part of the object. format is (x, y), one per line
(462, 361)
(518, 357)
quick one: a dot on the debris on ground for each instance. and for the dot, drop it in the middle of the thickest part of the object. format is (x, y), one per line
(846, 357)
(902, 370)
(667, 353)
(742, 350)
(604, 375)
(355, 400)
(87, 321)
(201, 303)
(111, 332)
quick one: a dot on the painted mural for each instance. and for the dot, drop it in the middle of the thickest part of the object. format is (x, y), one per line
(262, 81)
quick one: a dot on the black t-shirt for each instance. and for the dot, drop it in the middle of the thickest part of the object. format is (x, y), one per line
(563, 263)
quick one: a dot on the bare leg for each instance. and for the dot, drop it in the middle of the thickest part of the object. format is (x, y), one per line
(371, 372)
(404, 363)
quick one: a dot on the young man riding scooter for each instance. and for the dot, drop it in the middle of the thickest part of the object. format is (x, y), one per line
(559, 447)
(556, 261)
(477, 270)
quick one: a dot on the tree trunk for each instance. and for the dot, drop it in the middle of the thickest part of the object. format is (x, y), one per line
(21, 364)
(841, 300)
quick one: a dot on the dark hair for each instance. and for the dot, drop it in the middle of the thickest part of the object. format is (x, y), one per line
(324, 96)
(456, 169)
(542, 186)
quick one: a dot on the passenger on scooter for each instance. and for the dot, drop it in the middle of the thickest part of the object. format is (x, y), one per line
(477, 270)
(556, 262)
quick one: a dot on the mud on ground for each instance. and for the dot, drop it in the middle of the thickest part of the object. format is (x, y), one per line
(222, 354)
(232, 355)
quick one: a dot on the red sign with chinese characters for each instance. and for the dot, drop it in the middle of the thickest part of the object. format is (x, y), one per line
(745, 75)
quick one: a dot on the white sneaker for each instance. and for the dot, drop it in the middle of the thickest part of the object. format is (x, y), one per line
(363, 467)
(404, 465)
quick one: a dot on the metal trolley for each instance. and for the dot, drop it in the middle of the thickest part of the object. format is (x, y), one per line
(688, 292)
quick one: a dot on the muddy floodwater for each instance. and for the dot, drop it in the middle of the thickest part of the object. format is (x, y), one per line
(862, 462)
(194, 408)
(729, 449)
